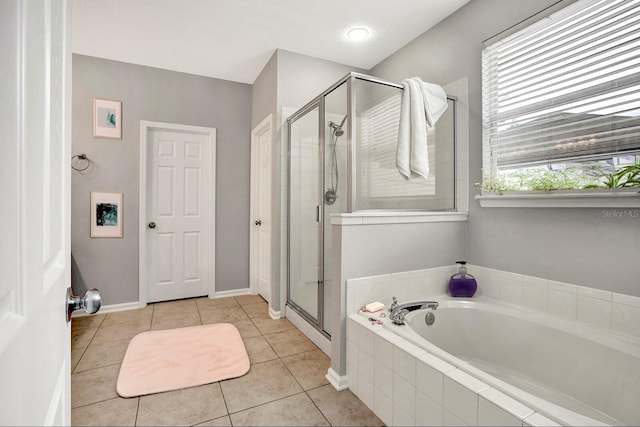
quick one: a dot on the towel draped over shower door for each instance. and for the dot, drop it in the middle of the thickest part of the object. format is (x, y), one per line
(422, 105)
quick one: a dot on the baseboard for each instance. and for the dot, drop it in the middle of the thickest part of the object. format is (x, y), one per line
(232, 293)
(339, 382)
(275, 315)
(309, 331)
(112, 308)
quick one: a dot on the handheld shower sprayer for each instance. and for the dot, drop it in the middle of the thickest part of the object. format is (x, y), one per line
(331, 195)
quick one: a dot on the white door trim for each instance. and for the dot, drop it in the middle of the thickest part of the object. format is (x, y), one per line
(265, 126)
(145, 127)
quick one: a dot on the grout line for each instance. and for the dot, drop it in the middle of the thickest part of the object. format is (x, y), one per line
(135, 422)
(317, 407)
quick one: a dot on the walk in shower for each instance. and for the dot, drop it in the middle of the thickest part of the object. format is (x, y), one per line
(342, 148)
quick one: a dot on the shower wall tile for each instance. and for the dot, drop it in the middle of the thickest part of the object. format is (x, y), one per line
(594, 311)
(401, 417)
(383, 379)
(450, 420)
(492, 415)
(383, 407)
(428, 412)
(383, 350)
(625, 319)
(404, 397)
(561, 303)
(534, 293)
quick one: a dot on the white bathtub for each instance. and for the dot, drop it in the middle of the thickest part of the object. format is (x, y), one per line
(570, 372)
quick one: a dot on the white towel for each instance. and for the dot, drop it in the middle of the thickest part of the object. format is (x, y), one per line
(422, 104)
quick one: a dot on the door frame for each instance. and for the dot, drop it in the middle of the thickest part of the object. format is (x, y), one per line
(145, 127)
(265, 125)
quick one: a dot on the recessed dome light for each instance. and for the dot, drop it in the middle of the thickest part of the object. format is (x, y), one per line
(358, 33)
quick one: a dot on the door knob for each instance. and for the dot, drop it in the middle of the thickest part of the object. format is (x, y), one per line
(91, 302)
(152, 224)
(258, 222)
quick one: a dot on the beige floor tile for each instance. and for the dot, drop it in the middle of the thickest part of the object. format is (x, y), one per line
(296, 410)
(174, 307)
(128, 316)
(263, 383)
(249, 299)
(101, 355)
(90, 321)
(94, 386)
(260, 309)
(187, 406)
(113, 412)
(80, 338)
(206, 302)
(76, 355)
(121, 331)
(267, 325)
(259, 350)
(343, 408)
(246, 328)
(289, 342)
(175, 320)
(218, 422)
(222, 315)
(309, 368)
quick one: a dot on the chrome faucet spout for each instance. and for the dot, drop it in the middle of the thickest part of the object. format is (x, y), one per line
(399, 311)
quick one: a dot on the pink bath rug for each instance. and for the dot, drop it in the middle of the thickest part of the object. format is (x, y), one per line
(158, 361)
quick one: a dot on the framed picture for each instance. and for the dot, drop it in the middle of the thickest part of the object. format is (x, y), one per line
(106, 214)
(107, 118)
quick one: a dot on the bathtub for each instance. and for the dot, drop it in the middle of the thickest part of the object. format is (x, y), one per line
(572, 373)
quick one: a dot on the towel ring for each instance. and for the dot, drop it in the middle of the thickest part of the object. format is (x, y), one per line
(81, 156)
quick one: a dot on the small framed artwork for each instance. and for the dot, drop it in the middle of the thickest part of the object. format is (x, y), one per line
(107, 118)
(106, 214)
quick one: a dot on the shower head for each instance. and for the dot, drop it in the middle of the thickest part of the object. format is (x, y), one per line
(337, 129)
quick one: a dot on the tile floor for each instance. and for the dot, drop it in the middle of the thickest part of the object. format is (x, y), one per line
(286, 384)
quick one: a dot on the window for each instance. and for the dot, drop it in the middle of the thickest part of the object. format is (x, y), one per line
(561, 101)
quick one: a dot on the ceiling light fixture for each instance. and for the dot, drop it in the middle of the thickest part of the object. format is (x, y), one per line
(357, 33)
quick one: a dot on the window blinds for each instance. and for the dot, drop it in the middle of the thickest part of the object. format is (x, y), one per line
(565, 88)
(379, 176)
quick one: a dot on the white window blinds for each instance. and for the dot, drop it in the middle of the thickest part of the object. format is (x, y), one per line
(379, 175)
(565, 88)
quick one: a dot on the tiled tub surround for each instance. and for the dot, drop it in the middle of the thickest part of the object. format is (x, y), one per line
(405, 384)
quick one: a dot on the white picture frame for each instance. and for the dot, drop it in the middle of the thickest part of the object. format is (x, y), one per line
(107, 118)
(106, 214)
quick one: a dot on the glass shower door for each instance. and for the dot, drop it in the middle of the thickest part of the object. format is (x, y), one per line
(305, 225)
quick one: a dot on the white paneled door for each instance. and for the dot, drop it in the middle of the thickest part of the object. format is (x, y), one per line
(35, 143)
(261, 209)
(179, 211)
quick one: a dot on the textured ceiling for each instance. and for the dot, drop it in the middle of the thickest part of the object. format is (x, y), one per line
(234, 39)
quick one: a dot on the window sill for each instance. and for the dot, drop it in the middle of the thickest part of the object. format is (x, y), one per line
(563, 199)
(371, 218)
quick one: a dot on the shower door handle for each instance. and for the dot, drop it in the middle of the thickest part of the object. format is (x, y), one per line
(317, 213)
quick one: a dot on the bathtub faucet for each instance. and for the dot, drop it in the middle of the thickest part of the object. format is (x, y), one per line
(399, 311)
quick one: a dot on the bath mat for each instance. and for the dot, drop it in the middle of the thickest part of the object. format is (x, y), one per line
(158, 361)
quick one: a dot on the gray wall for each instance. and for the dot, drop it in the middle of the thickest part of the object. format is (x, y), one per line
(581, 246)
(264, 92)
(164, 96)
